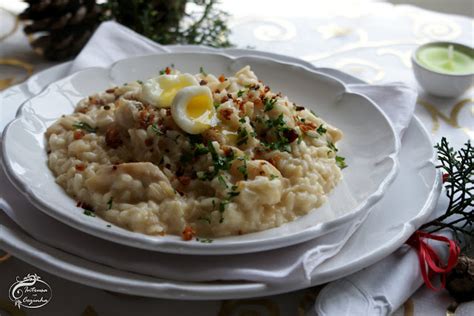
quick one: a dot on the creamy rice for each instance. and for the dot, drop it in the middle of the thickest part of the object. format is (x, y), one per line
(265, 163)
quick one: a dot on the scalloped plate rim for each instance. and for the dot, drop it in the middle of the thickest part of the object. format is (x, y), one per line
(175, 245)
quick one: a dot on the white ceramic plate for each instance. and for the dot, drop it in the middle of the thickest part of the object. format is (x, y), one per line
(385, 229)
(390, 223)
(370, 148)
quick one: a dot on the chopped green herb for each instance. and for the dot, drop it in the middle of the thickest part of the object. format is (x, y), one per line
(109, 203)
(300, 139)
(84, 126)
(269, 104)
(242, 120)
(216, 104)
(332, 146)
(89, 213)
(108, 225)
(282, 134)
(201, 70)
(240, 93)
(321, 130)
(340, 161)
(233, 194)
(204, 240)
(140, 82)
(243, 169)
(200, 149)
(156, 129)
(219, 163)
(273, 177)
(243, 136)
(222, 206)
(222, 180)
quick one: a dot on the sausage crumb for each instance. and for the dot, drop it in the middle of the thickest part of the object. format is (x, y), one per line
(188, 233)
(112, 137)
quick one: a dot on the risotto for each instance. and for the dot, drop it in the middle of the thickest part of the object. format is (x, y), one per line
(194, 155)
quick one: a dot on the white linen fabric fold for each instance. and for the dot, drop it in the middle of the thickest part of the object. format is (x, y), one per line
(113, 42)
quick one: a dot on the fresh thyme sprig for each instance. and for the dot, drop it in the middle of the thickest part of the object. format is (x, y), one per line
(458, 169)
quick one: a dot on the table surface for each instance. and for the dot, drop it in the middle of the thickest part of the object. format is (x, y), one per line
(370, 40)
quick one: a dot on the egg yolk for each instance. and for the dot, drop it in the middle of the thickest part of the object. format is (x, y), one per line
(199, 106)
(168, 95)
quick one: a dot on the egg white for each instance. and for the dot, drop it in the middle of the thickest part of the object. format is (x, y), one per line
(160, 91)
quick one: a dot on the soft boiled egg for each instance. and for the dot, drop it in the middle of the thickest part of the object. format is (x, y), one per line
(160, 91)
(193, 109)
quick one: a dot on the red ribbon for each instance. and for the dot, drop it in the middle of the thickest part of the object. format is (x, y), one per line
(430, 263)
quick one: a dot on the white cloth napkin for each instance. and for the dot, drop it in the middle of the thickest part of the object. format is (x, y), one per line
(112, 42)
(381, 288)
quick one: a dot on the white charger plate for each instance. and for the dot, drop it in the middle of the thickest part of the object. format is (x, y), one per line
(390, 223)
(370, 149)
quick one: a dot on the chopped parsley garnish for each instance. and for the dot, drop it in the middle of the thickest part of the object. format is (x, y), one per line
(201, 70)
(108, 225)
(204, 240)
(222, 206)
(283, 134)
(157, 130)
(216, 104)
(242, 120)
(219, 163)
(89, 213)
(243, 168)
(233, 193)
(84, 126)
(273, 177)
(240, 93)
(321, 130)
(200, 149)
(332, 146)
(109, 203)
(340, 161)
(222, 180)
(243, 136)
(269, 104)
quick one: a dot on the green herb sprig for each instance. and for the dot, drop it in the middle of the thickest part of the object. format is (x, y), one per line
(458, 168)
(84, 126)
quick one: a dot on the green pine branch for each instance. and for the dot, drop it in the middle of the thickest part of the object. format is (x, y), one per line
(167, 22)
(458, 170)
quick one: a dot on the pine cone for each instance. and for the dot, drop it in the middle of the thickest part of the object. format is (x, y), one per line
(460, 281)
(63, 26)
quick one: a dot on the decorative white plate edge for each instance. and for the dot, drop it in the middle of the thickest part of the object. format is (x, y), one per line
(175, 245)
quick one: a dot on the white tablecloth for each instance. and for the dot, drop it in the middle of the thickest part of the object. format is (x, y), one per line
(371, 40)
